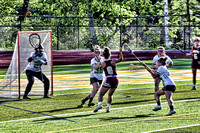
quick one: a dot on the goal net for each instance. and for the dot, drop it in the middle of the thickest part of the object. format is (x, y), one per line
(14, 83)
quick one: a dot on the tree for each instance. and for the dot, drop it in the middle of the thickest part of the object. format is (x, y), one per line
(69, 21)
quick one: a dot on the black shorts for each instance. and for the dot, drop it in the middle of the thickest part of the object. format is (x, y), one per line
(171, 88)
(195, 65)
(93, 80)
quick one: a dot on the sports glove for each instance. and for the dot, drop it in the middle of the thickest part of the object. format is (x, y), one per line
(195, 52)
(30, 59)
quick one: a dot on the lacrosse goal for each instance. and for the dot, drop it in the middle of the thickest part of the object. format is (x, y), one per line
(15, 80)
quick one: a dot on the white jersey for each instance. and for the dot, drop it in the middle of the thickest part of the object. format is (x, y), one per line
(96, 73)
(34, 65)
(165, 76)
(157, 57)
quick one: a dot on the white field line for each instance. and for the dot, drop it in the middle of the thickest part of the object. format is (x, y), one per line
(92, 111)
(172, 128)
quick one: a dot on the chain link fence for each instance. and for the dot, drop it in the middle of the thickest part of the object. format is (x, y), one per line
(74, 33)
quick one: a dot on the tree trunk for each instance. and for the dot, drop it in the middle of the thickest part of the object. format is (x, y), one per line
(91, 25)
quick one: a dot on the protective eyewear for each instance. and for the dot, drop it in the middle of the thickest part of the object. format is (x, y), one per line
(97, 52)
(160, 50)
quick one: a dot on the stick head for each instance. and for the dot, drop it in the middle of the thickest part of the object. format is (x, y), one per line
(90, 46)
(125, 39)
(34, 40)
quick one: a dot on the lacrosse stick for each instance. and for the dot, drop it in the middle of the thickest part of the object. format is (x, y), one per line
(35, 41)
(90, 46)
(131, 51)
(178, 48)
(125, 38)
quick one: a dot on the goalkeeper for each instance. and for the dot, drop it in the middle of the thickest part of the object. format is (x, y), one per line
(33, 69)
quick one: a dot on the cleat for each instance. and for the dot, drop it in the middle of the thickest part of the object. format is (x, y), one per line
(157, 108)
(97, 108)
(82, 103)
(46, 96)
(171, 112)
(25, 97)
(91, 104)
(107, 110)
(194, 88)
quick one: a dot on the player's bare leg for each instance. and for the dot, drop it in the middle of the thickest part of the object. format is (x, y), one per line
(100, 99)
(157, 82)
(109, 101)
(93, 93)
(157, 97)
(194, 71)
(170, 102)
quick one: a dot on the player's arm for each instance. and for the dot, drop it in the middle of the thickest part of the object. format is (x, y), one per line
(96, 66)
(190, 54)
(169, 62)
(32, 56)
(119, 59)
(44, 59)
(169, 65)
(30, 59)
(154, 66)
(120, 55)
(44, 62)
(153, 73)
(154, 63)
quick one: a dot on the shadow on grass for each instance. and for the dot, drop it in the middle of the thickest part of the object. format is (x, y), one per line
(56, 110)
(116, 103)
(92, 114)
(132, 102)
(63, 118)
(121, 118)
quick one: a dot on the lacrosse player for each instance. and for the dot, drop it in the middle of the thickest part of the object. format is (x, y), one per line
(195, 53)
(33, 69)
(96, 75)
(169, 86)
(111, 81)
(160, 54)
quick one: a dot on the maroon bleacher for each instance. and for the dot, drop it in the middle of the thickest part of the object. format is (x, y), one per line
(83, 57)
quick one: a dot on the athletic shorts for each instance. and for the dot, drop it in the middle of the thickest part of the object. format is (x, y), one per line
(93, 80)
(111, 82)
(171, 88)
(195, 65)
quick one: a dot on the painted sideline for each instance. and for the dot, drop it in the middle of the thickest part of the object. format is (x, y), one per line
(171, 128)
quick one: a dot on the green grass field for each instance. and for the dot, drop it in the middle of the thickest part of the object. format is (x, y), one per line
(131, 110)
